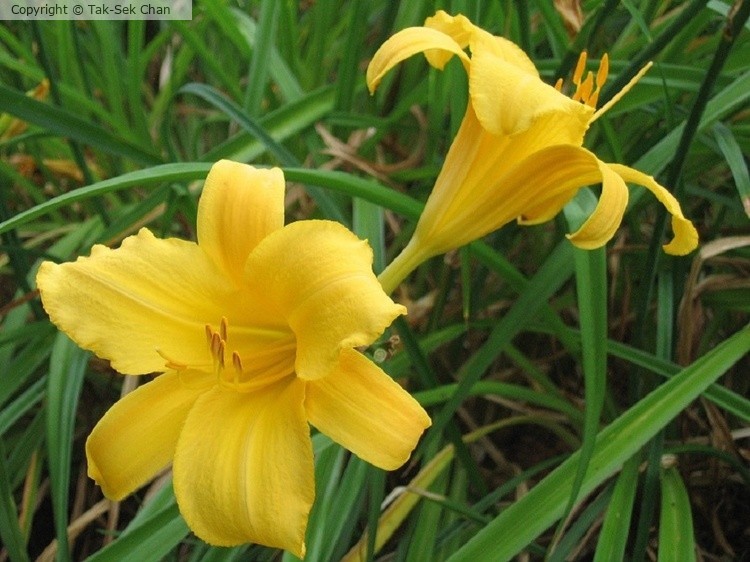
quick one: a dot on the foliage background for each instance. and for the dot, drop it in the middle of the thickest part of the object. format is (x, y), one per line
(519, 344)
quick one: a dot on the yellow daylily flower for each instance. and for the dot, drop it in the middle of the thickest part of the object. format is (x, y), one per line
(518, 153)
(253, 329)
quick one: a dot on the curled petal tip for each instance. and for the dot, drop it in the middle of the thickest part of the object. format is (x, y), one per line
(409, 42)
(685, 237)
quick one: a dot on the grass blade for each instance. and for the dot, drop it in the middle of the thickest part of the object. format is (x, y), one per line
(68, 365)
(526, 519)
(676, 540)
(616, 527)
(10, 531)
(62, 122)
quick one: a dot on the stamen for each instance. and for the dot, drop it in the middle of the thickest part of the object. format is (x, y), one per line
(217, 349)
(601, 78)
(584, 90)
(593, 99)
(618, 96)
(603, 73)
(580, 67)
(559, 84)
(224, 328)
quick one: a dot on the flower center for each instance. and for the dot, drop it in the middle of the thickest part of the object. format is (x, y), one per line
(263, 364)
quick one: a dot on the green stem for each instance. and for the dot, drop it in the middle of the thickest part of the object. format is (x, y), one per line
(411, 257)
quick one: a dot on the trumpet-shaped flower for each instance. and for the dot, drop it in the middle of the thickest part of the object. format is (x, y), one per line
(253, 329)
(518, 153)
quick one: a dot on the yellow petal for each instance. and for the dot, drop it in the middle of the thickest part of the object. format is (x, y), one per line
(535, 188)
(508, 99)
(137, 436)
(139, 304)
(240, 205)
(406, 43)
(458, 28)
(243, 469)
(489, 180)
(465, 33)
(318, 276)
(601, 226)
(685, 235)
(362, 408)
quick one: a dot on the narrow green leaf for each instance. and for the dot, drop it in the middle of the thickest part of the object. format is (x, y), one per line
(62, 122)
(728, 99)
(10, 532)
(285, 157)
(676, 540)
(67, 368)
(735, 158)
(149, 537)
(517, 526)
(29, 398)
(236, 113)
(367, 223)
(289, 120)
(554, 272)
(279, 70)
(591, 289)
(155, 175)
(259, 62)
(196, 41)
(616, 528)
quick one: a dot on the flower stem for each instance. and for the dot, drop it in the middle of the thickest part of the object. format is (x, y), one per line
(399, 269)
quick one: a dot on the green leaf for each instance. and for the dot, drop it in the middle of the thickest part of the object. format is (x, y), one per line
(616, 528)
(676, 540)
(10, 532)
(156, 530)
(64, 123)
(68, 365)
(285, 157)
(155, 175)
(735, 158)
(519, 524)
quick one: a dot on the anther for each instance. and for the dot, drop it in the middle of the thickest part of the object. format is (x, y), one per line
(585, 88)
(217, 349)
(603, 72)
(580, 67)
(224, 328)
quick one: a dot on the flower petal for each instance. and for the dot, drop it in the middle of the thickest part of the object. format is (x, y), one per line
(243, 469)
(362, 408)
(240, 205)
(508, 99)
(601, 226)
(490, 195)
(465, 33)
(685, 235)
(406, 43)
(318, 276)
(141, 306)
(136, 438)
